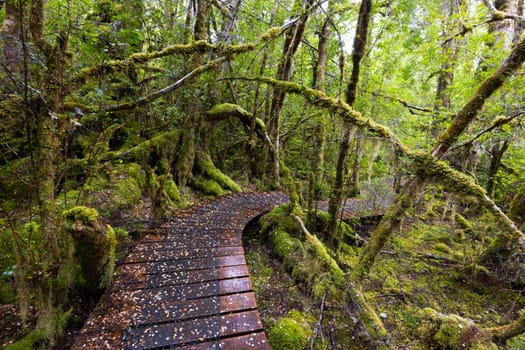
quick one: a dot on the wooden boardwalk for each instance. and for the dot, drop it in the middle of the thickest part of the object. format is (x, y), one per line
(187, 287)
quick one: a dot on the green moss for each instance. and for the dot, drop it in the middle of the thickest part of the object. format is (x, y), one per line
(94, 243)
(83, 214)
(303, 254)
(271, 34)
(322, 219)
(30, 341)
(442, 248)
(208, 169)
(290, 333)
(227, 108)
(127, 193)
(135, 171)
(464, 224)
(7, 293)
(207, 186)
(172, 191)
(451, 332)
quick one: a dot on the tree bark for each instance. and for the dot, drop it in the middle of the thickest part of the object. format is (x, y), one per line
(319, 82)
(284, 72)
(495, 162)
(360, 40)
(451, 8)
(252, 143)
(193, 109)
(10, 33)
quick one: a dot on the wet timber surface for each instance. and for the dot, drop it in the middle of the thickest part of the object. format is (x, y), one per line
(186, 286)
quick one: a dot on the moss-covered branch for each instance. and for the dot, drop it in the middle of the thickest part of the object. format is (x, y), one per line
(199, 46)
(431, 169)
(430, 166)
(497, 122)
(502, 333)
(114, 66)
(338, 107)
(227, 110)
(310, 263)
(471, 109)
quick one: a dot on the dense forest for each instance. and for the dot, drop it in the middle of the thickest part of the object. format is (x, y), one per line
(115, 114)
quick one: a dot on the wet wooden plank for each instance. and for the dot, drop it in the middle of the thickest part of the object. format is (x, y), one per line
(189, 309)
(238, 302)
(256, 340)
(231, 260)
(235, 285)
(196, 330)
(163, 335)
(233, 271)
(247, 342)
(180, 277)
(98, 341)
(159, 253)
(242, 322)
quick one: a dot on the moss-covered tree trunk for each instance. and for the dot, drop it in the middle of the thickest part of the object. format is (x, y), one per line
(360, 40)
(193, 106)
(47, 109)
(450, 11)
(10, 34)
(319, 82)
(517, 208)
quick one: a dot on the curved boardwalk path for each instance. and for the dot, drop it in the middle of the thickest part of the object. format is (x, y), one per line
(186, 287)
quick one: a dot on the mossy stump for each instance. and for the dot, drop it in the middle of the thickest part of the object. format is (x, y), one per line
(94, 243)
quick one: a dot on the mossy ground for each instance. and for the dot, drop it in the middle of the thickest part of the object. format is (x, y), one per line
(430, 264)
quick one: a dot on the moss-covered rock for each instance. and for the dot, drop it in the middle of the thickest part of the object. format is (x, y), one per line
(291, 333)
(94, 243)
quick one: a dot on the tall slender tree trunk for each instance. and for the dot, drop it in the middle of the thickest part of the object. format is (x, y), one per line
(450, 10)
(194, 108)
(252, 141)
(292, 40)
(360, 40)
(10, 33)
(319, 82)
